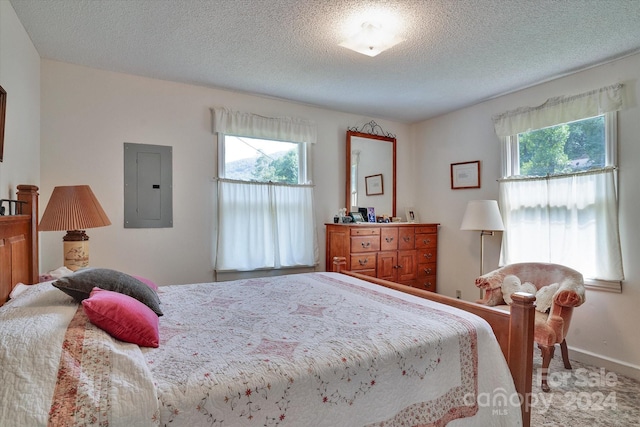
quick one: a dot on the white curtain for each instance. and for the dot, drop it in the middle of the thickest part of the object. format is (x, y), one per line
(265, 226)
(562, 109)
(239, 123)
(570, 220)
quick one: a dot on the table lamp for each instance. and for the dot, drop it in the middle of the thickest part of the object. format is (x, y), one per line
(74, 209)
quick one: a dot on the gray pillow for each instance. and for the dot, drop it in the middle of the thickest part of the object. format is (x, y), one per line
(79, 286)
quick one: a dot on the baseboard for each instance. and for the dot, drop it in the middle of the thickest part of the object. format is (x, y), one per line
(617, 366)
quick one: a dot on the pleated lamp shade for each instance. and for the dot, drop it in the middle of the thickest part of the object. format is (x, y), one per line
(74, 208)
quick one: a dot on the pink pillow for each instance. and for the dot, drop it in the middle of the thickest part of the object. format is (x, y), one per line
(123, 317)
(147, 282)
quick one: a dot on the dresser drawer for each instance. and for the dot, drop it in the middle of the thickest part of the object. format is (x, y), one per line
(365, 243)
(427, 255)
(388, 239)
(363, 262)
(426, 241)
(406, 238)
(365, 231)
(427, 229)
(427, 283)
(425, 270)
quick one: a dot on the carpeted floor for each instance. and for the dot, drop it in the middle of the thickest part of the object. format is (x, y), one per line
(586, 396)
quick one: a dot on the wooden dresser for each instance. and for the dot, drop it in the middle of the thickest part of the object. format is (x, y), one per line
(401, 252)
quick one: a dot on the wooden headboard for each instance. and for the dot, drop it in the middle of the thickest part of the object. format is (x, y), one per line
(19, 243)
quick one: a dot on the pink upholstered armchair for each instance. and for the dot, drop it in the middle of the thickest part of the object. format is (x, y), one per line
(557, 287)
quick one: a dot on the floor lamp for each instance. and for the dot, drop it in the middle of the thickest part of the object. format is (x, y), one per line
(483, 216)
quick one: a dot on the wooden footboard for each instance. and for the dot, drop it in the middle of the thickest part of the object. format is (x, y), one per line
(514, 331)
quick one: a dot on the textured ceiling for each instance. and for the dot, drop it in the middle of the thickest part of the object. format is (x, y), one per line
(456, 53)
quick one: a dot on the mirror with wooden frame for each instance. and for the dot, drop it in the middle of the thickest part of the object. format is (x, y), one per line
(371, 170)
(3, 112)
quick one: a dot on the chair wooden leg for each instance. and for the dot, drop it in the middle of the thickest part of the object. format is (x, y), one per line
(547, 355)
(565, 354)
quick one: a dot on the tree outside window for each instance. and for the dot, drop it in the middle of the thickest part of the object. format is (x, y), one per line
(566, 148)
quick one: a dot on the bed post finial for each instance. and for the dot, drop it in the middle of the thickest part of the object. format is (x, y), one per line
(338, 263)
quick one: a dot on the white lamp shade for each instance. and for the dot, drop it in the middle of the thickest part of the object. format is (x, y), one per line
(482, 215)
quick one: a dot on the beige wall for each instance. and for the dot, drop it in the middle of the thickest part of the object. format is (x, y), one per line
(20, 78)
(606, 324)
(88, 114)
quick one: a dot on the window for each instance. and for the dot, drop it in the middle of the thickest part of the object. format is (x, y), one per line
(558, 192)
(264, 193)
(262, 160)
(565, 148)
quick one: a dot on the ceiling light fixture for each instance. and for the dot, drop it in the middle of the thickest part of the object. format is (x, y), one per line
(371, 40)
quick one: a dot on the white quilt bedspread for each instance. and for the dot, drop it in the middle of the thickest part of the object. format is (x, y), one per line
(58, 369)
(322, 350)
(304, 350)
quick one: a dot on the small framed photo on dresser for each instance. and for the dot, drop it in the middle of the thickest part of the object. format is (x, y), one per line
(364, 213)
(357, 217)
(412, 215)
(371, 214)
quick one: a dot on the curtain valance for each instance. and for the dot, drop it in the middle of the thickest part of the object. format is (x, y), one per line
(561, 109)
(253, 125)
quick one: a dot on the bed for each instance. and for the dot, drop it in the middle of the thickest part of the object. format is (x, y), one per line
(315, 349)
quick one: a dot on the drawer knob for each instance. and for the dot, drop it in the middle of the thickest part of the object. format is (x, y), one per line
(427, 271)
(366, 244)
(397, 266)
(428, 255)
(426, 241)
(406, 239)
(363, 261)
(389, 239)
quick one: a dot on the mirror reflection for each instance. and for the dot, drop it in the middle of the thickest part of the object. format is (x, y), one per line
(371, 172)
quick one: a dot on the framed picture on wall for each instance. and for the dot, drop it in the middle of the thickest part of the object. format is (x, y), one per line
(374, 185)
(465, 175)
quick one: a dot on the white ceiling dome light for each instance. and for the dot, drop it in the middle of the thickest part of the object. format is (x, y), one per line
(371, 40)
